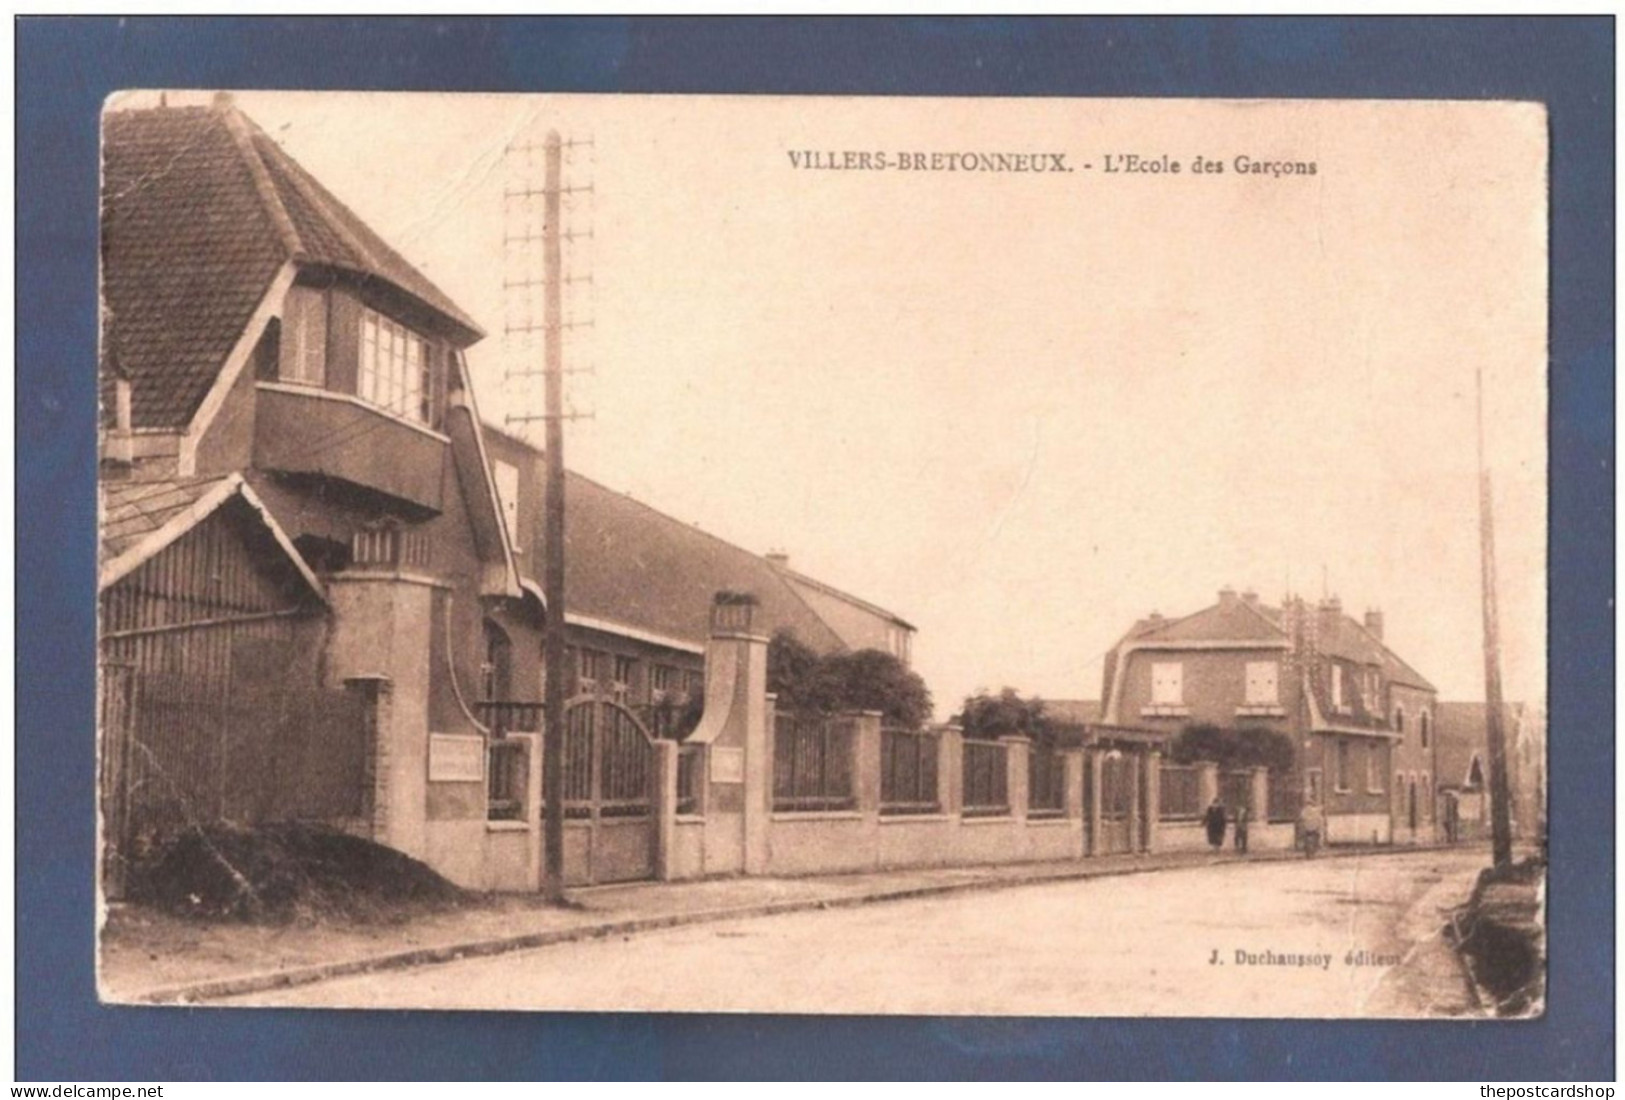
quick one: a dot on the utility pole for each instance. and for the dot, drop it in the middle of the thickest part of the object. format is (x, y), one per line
(1495, 731)
(553, 527)
(522, 282)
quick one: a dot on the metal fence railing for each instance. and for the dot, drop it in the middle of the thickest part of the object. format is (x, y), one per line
(986, 785)
(1181, 793)
(812, 763)
(1285, 796)
(1046, 782)
(908, 772)
(690, 775)
(1236, 790)
(508, 773)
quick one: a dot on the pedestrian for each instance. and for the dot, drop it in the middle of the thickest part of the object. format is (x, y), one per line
(1213, 821)
(1311, 823)
(1243, 815)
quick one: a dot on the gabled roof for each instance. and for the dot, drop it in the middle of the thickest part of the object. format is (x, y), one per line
(200, 210)
(141, 518)
(1228, 620)
(1342, 637)
(858, 602)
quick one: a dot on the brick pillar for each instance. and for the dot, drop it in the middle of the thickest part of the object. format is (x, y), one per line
(1072, 761)
(1136, 806)
(866, 761)
(950, 770)
(1153, 798)
(665, 806)
(1261, 796)
(1096, 756)
(1015, 775)
(375, 693)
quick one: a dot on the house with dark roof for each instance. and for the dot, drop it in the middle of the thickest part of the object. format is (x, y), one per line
(318, 564)
(1359, 718)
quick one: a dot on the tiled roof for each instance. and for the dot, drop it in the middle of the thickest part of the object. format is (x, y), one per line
(188, 251)
(200, 210)
(638, 567)
(1228, 622)
(1340, 636)
(133, 510)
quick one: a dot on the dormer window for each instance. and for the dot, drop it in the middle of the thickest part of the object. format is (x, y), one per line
(397, 369)
(302, 357)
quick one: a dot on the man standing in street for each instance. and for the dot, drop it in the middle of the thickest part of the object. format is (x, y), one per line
(1243, 816)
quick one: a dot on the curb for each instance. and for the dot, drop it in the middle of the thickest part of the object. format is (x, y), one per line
(217, 989)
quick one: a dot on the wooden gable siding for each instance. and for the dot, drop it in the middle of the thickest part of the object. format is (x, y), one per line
(226, 567)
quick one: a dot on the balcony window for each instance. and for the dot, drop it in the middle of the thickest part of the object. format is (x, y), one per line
(302, 357)
(397, 370)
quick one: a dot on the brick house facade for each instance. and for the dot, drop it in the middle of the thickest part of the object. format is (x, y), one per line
(1359, 719)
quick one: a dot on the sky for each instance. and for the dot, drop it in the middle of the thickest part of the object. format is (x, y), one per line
(1024, 410)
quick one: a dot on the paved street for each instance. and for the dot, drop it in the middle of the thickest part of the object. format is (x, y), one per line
(1165, 943)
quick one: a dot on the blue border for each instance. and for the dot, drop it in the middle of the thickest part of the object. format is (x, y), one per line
(65, 68)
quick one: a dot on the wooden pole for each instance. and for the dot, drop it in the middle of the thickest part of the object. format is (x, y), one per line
(1495, 732)
(553, 534)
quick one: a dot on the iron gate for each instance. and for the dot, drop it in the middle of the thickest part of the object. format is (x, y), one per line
(609, 772)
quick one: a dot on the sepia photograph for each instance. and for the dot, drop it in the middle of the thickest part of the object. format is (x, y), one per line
(916, 556)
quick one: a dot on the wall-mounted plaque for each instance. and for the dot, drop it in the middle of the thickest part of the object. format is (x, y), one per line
(727, 765)
(456, 758)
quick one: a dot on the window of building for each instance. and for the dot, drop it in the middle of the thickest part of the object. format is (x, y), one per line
(397, 370)
(624, 669)
(1337, 687)
(506, 476)
(665, 681)
(1399, 722)
(590, 668)
(302, 358)
(1427, 795)
(1370, 692)
(1342, 776)
(1263, 683)
(1167, 684)
(1475, 773)
(1426, 727)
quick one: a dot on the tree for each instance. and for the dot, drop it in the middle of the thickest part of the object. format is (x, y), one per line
(1233, 748)
(1006, 714)
(866, 679)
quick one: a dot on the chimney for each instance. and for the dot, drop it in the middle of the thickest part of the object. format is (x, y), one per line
(778, 559)
(1250, 597)
(1227, 597)
(221, 101)
(1373, 623)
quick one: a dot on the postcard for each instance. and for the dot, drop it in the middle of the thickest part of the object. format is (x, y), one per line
(930, 556)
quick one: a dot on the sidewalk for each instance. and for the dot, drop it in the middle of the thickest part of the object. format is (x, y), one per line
(154, 958)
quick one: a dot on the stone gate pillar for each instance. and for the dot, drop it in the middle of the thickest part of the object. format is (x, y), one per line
(1096, 758)
(737, 730)
(1153, 798)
